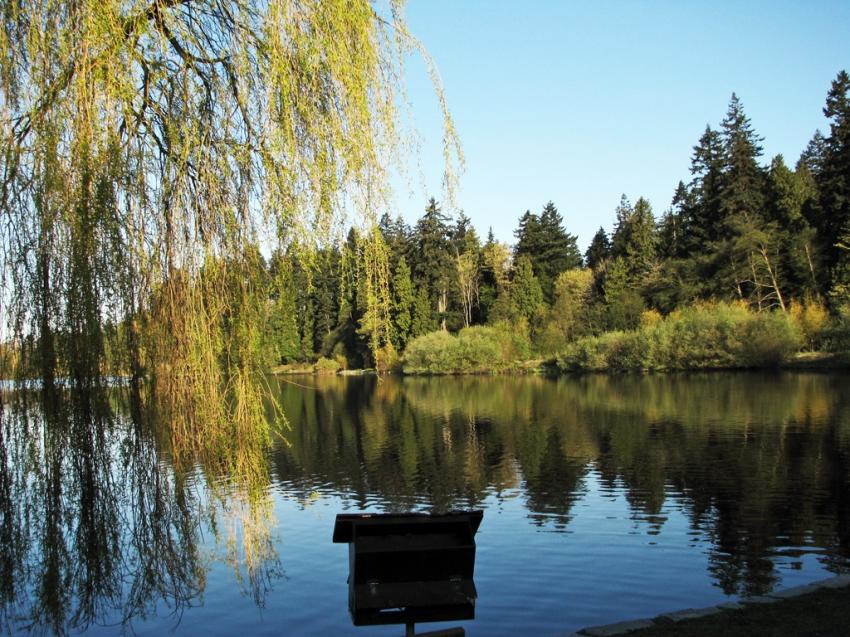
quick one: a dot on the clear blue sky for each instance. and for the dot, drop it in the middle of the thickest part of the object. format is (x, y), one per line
(578, 102)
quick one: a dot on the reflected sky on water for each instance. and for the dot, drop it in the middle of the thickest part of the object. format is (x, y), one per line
(605, 498)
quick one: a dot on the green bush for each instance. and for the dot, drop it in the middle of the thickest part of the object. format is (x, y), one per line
(704, 336)
(326, 366)
(835, 338)
(768, 340)
(630, 351)
(588, 354)
(474, 350)
(835, 335)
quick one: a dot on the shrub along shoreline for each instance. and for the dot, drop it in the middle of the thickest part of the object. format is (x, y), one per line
(704, 336)
(721, 336)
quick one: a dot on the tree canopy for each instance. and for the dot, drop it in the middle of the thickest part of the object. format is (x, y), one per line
(152, 148)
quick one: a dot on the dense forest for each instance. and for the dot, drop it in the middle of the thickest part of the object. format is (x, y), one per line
(740, 230)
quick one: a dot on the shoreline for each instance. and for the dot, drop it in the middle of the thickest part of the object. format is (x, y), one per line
(804, 361)
(804, 603)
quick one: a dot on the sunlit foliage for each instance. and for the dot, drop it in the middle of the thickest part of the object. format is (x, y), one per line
(154, 149)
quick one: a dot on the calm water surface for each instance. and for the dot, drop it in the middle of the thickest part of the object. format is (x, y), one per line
(604, 499)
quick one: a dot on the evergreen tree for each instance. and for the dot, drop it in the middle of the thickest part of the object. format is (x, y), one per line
(397, 236)
(526, 294)
(550, 249)
(623, 305)
(464, 238)
(599, 249)
(634, 238)
(495, 257)
(834, 185)
(325, 297)
(703, 223)
(281, 335)
(679, 277)
(434, 266)
(559, 252)
(403, 303)
(422, 319)
(741, 261)
(675, 222)
(620, 236)
(789, 192)
(528, 236)
(743, 188)
(814, 155)
(640, 247)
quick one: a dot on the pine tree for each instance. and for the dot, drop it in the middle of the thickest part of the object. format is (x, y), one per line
(281, 334)
(743, 188)
(599, 249)
(814, 155)
(559, 251)
(622, 303)
(743, 263)
(397, 236)
(550, 249)
(620, 236)
(674, 224)
(422, 319)
(679, 278)
(403, 302)
(325, 297)
(834, 185)
(528, 239)
(494, 275)
(434, 266)
(703, 225)
(640, 248)
(789, 192)
(464, 238)
(526, 294)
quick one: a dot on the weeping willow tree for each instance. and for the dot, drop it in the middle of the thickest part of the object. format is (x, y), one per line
(151, 149)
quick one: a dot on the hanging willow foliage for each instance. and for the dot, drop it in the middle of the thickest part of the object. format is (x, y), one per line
(151, 148)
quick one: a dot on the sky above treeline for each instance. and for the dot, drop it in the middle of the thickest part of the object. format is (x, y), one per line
(580, 102)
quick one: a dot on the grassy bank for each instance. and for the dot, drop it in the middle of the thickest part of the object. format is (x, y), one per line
(820, 614)
(708, 336)
(705, 336)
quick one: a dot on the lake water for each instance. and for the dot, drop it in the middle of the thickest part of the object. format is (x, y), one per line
(604, 498)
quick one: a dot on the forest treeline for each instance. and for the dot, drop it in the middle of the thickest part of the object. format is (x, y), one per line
(760, 235)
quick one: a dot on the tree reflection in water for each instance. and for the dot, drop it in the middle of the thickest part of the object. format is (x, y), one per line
(102, 514)
(759, 463)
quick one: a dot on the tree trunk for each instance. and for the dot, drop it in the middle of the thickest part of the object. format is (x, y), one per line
(773, 279)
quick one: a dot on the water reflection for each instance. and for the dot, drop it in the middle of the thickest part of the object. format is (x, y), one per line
(101, 526)
(106, 519)
(759, 463)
